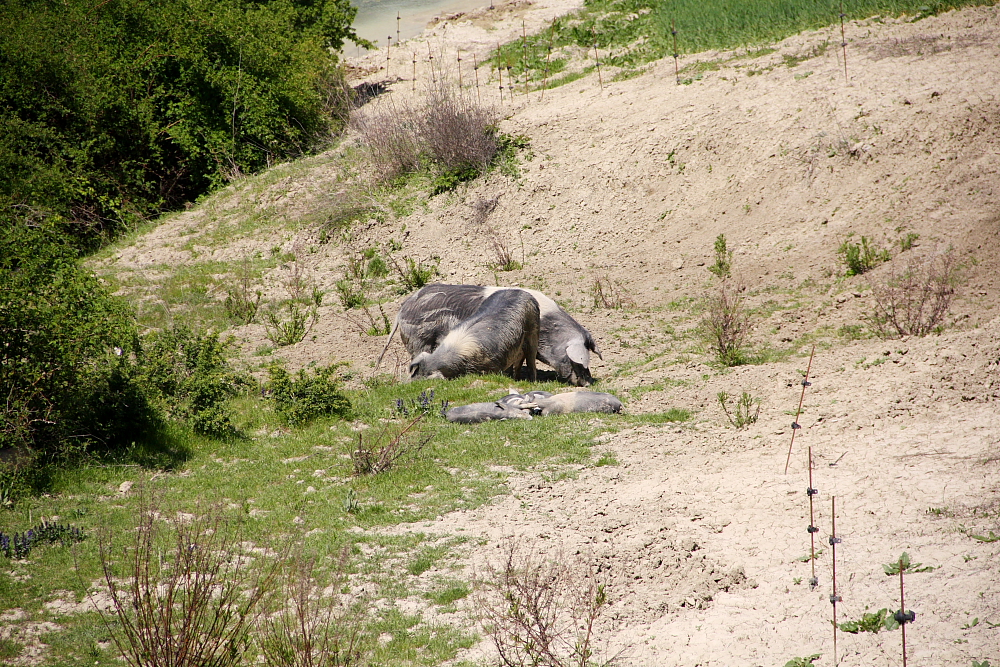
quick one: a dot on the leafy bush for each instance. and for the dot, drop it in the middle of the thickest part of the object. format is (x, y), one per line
(68, 371)
(916, 301)
(115, 110)
(413, 273)
(303, 397)
(189, 374)
(861, 257)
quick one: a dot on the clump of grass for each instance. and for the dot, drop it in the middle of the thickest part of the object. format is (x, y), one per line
(726, 323)
(861, 257)
(413, 273)
(242, 300)
(501, 254)
(541, 612)
(744, 412)
(916, 301)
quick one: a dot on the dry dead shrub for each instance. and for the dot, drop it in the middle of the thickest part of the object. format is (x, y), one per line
(191, 604)
(609, 294)
(390, 132)
(449, 131)
(458, 132)
(726, 324)
(314, 627)
(381, 450)
(541, 612)
(501, 256)
(916, 301)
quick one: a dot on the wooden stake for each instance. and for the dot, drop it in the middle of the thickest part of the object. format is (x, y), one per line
(833, 557)
(475, 68)
(677, 74)
(902, 608)
(813, 582)
(597, 58)
(843, 45)
(459, 69)
(795, 424)
(524, 55)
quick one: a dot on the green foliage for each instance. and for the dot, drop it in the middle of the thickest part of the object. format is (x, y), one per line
(632, 32)
(723, 258)
(907, 242)
(351, 293)
(19, 546)
(450, 179)
(871, 622)
(67, 362)
(302, 397)
(803, 662)
(116, 110)
(905, 565)
(414, 274)
(984, 663)
(861, 257)
(992, 537)
(190, 376)
(746, 411)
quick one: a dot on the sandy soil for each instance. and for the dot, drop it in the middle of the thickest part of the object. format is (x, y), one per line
(698, 529)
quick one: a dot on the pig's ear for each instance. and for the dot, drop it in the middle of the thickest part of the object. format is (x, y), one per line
(578, 353)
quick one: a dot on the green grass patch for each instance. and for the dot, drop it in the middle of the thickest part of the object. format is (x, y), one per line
(630, 33)
(278, 482)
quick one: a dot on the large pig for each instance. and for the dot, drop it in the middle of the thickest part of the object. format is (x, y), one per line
(426, 317)
(501, 333)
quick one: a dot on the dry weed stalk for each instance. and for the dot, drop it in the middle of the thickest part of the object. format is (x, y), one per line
(541, 612)
(916, 301)
(501, 254)
(389, 444)
(195, 604)
(314, 628)
(726, 323)
(609, 294)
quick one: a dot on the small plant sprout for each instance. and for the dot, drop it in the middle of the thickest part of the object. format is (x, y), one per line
(745, 411)
(904, 565)
(803, 662)
(871, 622)
(861, 257)
(723, 258)
(992, 537)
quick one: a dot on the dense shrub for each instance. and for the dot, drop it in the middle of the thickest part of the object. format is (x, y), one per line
(188, 374)
(114, 110)
(67, 353)
(304, 396)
